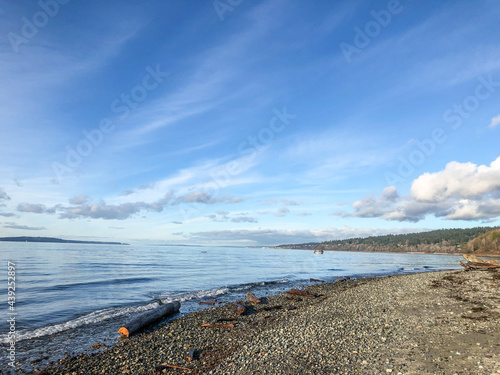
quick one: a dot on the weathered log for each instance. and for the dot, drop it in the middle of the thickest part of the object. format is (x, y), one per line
(240, 309)
(316, 280)
(206, 303)
(149, 317)
(478, 266)
(292, 297)
(209, 325)
(252, 298)
(474, 259)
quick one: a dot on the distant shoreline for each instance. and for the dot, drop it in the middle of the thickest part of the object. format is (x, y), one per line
(56, 240)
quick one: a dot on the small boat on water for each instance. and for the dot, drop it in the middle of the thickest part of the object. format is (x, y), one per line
(318, 251)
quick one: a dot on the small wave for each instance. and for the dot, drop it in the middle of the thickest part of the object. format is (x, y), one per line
(91, 318)
(199, 294)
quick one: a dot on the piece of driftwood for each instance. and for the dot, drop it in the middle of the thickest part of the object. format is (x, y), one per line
(252, 298)
(149, 317)
(317, 281)
(292, 297)
(221, 325)
(206, 303)
(475, 263)
(240, 309)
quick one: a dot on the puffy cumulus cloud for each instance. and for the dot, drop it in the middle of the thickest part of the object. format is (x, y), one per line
(461, 191)
(261, 237)
(3, 195)
(458, 180)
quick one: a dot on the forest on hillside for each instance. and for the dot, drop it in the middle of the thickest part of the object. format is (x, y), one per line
(441, 240)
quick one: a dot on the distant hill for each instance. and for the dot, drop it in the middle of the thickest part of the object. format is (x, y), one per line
(436, 241)
(485, 244)
(55, 240)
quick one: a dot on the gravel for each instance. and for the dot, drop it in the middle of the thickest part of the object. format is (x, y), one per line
(430, 323)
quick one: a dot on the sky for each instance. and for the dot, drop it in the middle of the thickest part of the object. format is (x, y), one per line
(247, 123)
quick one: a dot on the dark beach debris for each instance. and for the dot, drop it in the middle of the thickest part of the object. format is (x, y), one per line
(206, 303)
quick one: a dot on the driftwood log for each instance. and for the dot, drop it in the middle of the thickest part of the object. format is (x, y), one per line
(475, 263)
(252, 298)
(149, 317)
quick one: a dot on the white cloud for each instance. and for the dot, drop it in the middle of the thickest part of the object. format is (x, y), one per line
(457, 180)
(462, 191)
(495, 121)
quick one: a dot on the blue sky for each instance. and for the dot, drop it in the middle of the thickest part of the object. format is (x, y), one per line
(247, 123)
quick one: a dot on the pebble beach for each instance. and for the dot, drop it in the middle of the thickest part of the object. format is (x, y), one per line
(443, 322)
